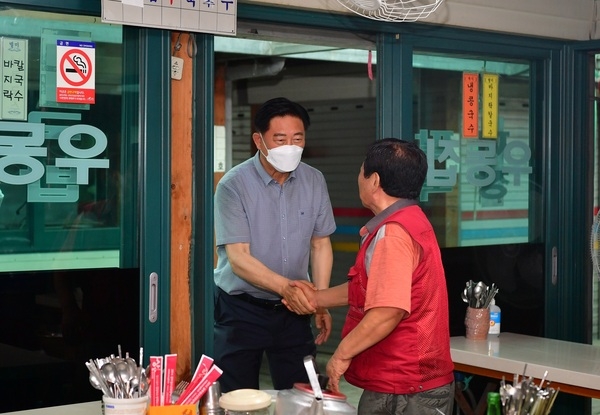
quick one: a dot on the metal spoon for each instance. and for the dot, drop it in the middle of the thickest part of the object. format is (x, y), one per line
(144, 385)
(125, 375)
(131, 361)
(97, 380)
(470, 286)
(478, 292)
(109, 372)
(464, 296)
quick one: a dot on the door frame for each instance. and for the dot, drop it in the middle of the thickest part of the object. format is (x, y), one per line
(555, 155)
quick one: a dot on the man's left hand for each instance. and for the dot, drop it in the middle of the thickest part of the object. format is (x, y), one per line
(323, 324)
(336, 367)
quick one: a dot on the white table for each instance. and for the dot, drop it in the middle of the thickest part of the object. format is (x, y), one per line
(574, 367)
(86, 408)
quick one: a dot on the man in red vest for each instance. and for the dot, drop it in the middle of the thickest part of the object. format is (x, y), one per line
(395, 341)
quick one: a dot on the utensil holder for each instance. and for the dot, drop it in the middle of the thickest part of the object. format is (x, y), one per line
(131, 406)
(477, 323)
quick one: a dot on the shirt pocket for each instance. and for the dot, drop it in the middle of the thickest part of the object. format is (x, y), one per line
(305, 222)
(354, 289)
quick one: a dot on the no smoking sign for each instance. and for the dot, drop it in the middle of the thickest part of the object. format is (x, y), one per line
(75, 72)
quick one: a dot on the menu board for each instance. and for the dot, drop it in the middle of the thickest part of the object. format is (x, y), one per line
(206, 16)
(13, 73)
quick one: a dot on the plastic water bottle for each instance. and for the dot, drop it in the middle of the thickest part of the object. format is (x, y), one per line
(495, 316)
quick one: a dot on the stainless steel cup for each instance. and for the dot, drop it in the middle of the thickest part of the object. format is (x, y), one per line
(209, 404)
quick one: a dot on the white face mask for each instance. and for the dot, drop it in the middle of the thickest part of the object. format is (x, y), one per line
(283, 158)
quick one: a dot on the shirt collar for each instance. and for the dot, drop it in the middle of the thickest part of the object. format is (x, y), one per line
(266, 177)
(393, 208)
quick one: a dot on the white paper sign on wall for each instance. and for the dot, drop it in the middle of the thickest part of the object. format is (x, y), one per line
(205, 16)
(13, 73)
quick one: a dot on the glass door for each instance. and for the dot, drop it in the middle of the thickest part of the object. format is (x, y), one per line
(595, 248)
(593, 89)
(332, 74)
(473, 117)
(70, 266)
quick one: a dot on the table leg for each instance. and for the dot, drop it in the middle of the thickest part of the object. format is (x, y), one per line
(465, 407)
(461, 401)
(482, 404)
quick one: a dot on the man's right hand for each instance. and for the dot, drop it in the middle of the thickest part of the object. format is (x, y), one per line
(299, 297)
(306, 291)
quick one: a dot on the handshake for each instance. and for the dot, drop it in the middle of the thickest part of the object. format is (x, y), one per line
(300, 297)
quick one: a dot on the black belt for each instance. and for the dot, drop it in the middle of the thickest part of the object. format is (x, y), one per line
(261, 302)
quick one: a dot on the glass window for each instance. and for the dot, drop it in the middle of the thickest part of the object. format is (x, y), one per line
(64, 179)
(60, 147)
(472, 117)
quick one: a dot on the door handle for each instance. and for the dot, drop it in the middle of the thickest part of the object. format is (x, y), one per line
(153, 298)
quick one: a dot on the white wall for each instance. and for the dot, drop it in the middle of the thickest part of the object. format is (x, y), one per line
(321, 89)
(570, 19)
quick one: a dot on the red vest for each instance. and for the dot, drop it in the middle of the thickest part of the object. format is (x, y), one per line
(415, 357)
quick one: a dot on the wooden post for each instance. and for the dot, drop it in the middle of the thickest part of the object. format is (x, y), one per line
(181, 208)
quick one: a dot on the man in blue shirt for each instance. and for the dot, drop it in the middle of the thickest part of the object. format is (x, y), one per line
(273, 218)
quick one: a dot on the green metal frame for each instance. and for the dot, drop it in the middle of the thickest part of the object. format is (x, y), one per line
(396, 93)
(396, 43)
(202, 286)
(150, 50)
(560, 147)
(130, 149)
(559, 76)
(576, 184)
(571, 317)
(155, 184)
